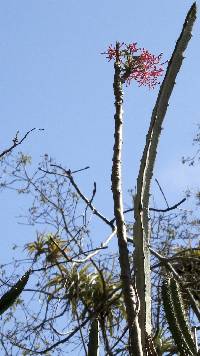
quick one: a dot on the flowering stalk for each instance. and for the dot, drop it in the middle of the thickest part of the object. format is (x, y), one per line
(130, 296)
(143, 69)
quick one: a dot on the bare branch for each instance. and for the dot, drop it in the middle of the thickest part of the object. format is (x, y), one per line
(88, 257)
(157, 210)
(163, 194)
(17, 142)
(68, 174)
(169, 207)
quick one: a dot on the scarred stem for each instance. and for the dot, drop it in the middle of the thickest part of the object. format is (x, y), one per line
(130, 297)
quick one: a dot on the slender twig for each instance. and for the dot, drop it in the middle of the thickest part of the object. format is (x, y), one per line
(157, 210)
(80, 170)
(60, 249)
(88, 257)
(103, 246)
(68, 174)
(105, 339)
(72, 333)
(30, 181)
(169, 207)
(81, 333)
(163, 194)
(119, 339)
(6, 352)
(17, 142)
(91, 200)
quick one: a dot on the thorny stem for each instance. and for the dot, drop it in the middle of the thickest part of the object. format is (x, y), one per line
(169, 266)
(141, 206)
(130, 296)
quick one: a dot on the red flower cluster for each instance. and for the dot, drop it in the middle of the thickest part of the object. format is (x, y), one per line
(137, 63)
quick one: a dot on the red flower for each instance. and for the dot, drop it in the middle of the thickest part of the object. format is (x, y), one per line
(111, 53)
(144, 67)
(132, 47)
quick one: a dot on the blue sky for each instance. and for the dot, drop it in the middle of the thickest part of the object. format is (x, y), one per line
(52, 76)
